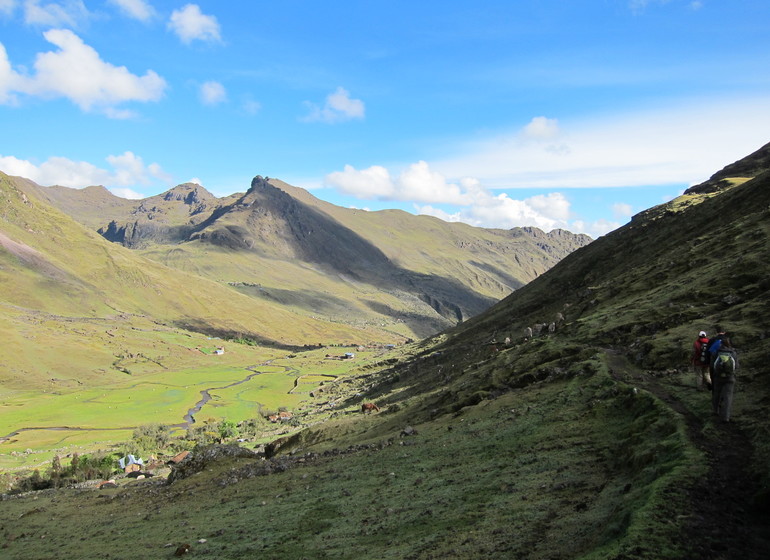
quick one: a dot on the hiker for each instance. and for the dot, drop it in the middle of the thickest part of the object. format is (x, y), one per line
(700, 361)
(713, 347)
(725, 364)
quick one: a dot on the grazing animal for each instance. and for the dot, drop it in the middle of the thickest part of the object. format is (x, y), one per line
(368, 407)
(182, 550)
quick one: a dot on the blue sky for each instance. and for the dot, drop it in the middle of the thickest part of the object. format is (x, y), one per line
(548, 113)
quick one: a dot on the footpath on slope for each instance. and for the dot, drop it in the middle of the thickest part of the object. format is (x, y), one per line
(724, 522)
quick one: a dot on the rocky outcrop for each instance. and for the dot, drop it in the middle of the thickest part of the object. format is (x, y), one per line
(204, 456)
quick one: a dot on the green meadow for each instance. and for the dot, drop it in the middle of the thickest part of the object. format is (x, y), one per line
(241, 384)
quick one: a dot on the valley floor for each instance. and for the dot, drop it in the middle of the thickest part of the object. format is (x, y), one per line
(554, 471)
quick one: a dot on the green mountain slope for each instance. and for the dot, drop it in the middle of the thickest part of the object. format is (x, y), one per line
(64, 288)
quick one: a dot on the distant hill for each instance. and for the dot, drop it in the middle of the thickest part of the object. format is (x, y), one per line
(279, 242)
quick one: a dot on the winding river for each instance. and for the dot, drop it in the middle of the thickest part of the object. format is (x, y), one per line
(188, 419)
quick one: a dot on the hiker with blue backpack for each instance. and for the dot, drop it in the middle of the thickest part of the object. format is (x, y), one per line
(724, 364)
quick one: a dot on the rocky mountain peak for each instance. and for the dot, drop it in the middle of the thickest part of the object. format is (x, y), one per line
(188, 193)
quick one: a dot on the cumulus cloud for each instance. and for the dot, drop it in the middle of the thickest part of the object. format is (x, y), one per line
(546, 212)
(415, 183)
(69, 13)
(190, 24)
(9, 80)
(373, 182)
(77, 72)
(338, 107)
(418, 183)
(542, 128)
(127, 172)
(137, 9)
(212, 93)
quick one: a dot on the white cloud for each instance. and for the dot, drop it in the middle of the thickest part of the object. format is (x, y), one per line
(552, 205)
(542, 128)
(190, 24)
(9, 80)
(123, 192)
(77, 73)
(136, 9)
(622, 210)
(7, 7)
(677, 144)
(501, 211)
(212, 93)
(418, 183)
(374, 182)
(69, 13)
(18, 167)
(128, 170)
(338, 107)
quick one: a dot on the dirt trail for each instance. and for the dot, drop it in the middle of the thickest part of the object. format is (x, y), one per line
(724, 523)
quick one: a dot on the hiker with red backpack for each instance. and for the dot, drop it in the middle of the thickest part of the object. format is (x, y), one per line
(700, 361)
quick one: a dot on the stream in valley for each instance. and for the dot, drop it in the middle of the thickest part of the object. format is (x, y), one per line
(188, 419)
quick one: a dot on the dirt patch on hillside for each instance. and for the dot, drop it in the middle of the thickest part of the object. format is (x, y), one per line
(726, 521)
(31, 257)
(20, 250)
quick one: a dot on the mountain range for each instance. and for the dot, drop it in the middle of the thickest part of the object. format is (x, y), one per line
(281, 244)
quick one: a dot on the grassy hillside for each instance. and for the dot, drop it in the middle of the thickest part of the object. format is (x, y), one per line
(588, 442)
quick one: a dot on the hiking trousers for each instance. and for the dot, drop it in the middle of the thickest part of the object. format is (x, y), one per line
(722, 396)
(702, 376)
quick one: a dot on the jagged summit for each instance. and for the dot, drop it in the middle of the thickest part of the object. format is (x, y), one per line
(189, 193)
